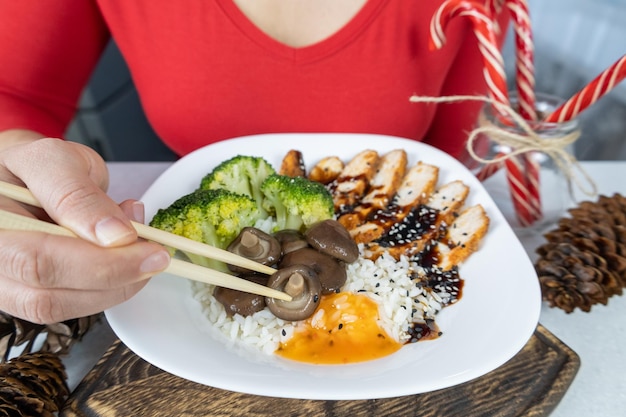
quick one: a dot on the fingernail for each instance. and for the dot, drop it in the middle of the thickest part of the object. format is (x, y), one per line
(112, 230)
(138, 212)
(156, 262)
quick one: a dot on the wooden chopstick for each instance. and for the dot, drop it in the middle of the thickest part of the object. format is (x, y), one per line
(13, 221)
(24, 195)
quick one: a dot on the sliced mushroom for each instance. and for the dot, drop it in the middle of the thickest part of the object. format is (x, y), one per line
(255, 244)
(239, 302)
(330, 271)
(290, 240)
(331, 237)
(303, 284)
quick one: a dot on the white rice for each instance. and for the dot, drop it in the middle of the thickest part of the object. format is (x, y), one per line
(402, 302)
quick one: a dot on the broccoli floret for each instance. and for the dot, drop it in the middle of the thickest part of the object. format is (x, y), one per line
(214, 217)
(296, 202)
(240, 174)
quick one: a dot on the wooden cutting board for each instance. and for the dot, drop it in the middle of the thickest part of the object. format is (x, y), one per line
(531, 384)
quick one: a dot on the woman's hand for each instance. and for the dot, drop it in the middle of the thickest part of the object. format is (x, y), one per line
(45, 278)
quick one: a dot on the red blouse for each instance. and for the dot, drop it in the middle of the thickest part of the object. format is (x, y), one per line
(205, 73)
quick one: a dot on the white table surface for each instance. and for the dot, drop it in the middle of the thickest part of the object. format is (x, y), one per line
(598, 337)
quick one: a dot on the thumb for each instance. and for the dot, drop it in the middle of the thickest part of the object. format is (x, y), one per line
(69, 182)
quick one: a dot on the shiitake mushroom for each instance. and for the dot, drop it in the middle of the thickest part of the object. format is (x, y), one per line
(240, 302)
(290, 240)
(303, 285)
(309, 264)
(332, 238)
(255, 244)
(331, 271)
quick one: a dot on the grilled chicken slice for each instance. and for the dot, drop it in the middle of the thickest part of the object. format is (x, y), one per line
(463, 237)
(327, 170)
(293, 164)
(387, 179)
(349, 188)
(449, 199)
(417, 185)
(423, 225)
(416, 188)
(383, 186)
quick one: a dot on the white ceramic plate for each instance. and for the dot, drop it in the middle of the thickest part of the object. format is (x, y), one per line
(492, 322)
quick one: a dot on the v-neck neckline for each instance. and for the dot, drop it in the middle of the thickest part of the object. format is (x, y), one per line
(315, 51)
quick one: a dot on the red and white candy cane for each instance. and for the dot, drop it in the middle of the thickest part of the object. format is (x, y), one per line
(591, 93)
(524, 58)
(494, 7)
(520, 194)
(489, 169)
(525, 83)
(517, 186)
(496, 83)
(484, 30)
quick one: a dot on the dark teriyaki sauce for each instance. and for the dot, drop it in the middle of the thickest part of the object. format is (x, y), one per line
(414, 226)
(423, 224)
(429, 256)
(433, 279)
(445, 281)
(332, 188)
(423, 331)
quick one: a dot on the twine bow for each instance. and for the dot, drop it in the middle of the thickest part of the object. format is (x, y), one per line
(520, 143)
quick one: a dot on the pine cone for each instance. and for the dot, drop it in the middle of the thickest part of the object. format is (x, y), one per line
(59, 336)
(33, 384)
(584, 260)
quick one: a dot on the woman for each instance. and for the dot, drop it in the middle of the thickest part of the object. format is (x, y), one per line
(205, 71)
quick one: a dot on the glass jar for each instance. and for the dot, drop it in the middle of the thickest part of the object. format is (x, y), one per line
(555, 192)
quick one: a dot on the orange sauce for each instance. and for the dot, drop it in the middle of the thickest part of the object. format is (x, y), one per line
(344, 329)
